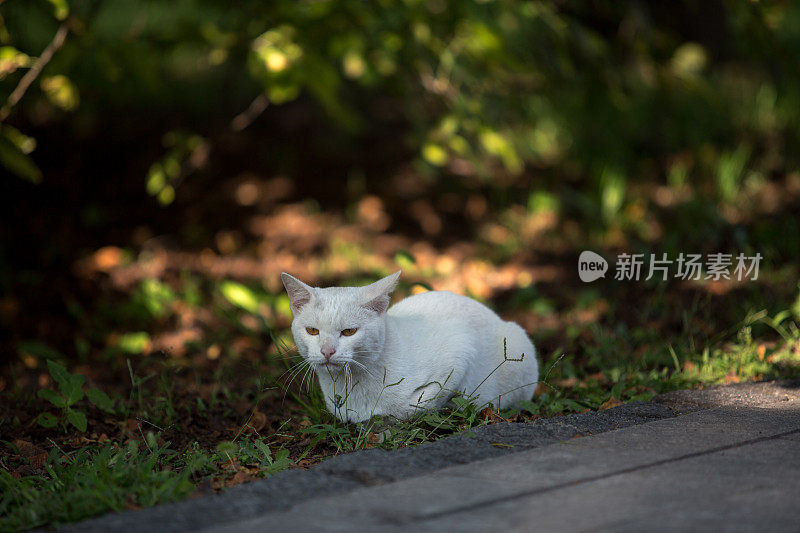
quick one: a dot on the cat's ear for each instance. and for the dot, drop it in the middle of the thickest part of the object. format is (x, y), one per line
(299, 293)
(377, 294)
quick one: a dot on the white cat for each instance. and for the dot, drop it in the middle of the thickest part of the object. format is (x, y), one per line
(413, 357)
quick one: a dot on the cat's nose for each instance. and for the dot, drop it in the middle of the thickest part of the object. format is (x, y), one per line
(328, 352)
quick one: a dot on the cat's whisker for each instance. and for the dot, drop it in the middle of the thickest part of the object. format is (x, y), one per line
(303, 382)
(296, 369)
(299, 368)
(364, 368)
(305, 374)
(352, 381)
(293, 367)
(292, 374)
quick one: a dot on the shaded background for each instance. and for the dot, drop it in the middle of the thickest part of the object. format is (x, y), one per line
(175, 156)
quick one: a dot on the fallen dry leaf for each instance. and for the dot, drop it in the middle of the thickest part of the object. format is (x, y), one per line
(240, 477)
(130, 428)
(35, 455)
(489, 415)
(231, 464)
(608, 404)
(731, 377)
(761, 350)
(107, 258)
(26, 449)
(257, 421)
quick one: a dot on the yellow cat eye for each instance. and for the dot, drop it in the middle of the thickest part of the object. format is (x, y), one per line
(349, 331)
(312, 331)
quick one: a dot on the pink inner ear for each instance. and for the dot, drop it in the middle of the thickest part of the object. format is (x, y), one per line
(378, 304)
(299, 299)
(298, 294)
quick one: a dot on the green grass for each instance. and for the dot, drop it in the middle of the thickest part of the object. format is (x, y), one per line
(112, 477)
(93, 480)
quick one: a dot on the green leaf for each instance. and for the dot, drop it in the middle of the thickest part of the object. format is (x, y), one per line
(47, 420)
(134, 342)
(52, 397)
(17, 162)
(528, 406)
(60, 8)
(25, 143)
(227, 448)
(77, 419)
(11, 59)
(264, 449)
(796, 306)
(280, 462)
(61, 92)
(405, 258)
(239, 295)
(434, 154)
(59, 373)
(73, 390)
(100, 399)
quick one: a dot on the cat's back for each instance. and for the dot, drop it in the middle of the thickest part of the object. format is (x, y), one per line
(442, 305)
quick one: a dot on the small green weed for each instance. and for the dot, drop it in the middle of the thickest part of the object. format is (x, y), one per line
(70, 392)
(255, 454)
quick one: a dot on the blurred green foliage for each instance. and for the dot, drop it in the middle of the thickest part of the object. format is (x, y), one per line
(606, 92)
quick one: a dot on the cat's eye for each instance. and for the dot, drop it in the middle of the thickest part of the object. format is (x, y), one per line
(349, 331)
(312, 331)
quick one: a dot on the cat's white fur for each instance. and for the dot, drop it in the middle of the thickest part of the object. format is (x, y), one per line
(413, 356)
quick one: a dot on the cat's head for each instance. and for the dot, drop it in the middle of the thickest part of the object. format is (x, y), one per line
(336, 325)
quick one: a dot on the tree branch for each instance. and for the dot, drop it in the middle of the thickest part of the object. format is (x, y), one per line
(35, 70)
(246, 117)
